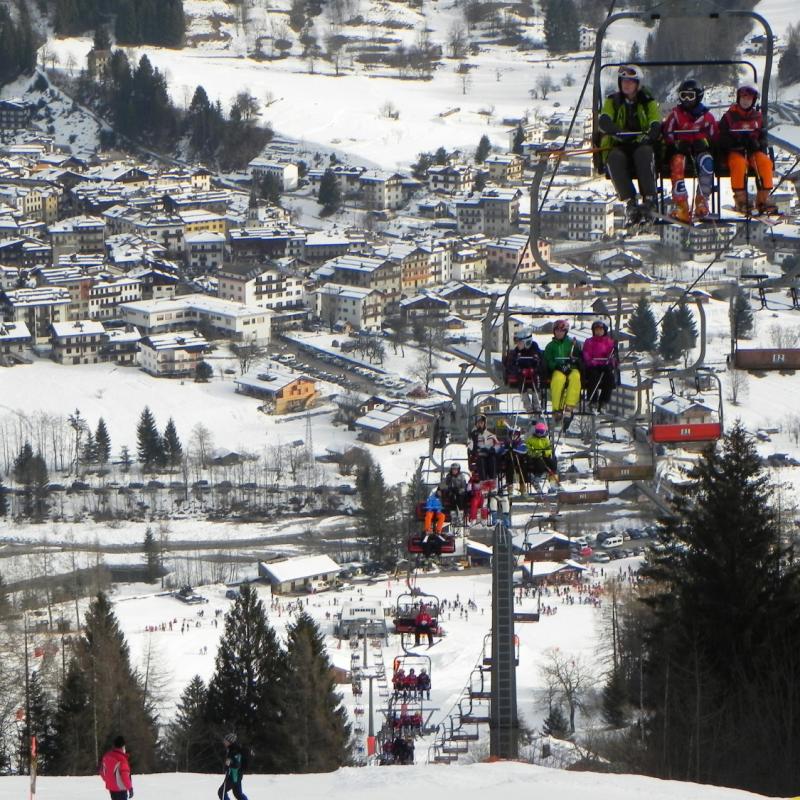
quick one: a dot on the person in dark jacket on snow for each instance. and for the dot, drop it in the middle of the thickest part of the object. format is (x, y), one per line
(115, 770)
(235, 764)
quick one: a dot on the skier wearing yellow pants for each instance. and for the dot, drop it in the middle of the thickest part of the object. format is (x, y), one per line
(561, 356)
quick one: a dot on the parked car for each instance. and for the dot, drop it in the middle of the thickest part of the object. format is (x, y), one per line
(601, 558)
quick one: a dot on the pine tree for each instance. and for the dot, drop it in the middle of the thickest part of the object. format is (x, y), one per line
(441, 156)
(203, 372)
(173, 449)
(642, 326)
(743, 322)
(125, 458)
(89, 454)
(671, 343)
(5, 603)
(152, 556)
(329, 193)
(246, 692)
(101, 697)
(30, 471)
(789, 64)
(39, 724)
(561, 26)
(724, 632)
(556, 724)
(519, 140)
(687, 325)
(484, 148)
(102, 442)
(190, 741)
(102, 39)
(271, 189)
(378, 527)
(150, 448)
(316, 723)
(614, 699)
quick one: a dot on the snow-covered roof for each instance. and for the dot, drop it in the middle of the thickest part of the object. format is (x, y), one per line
(383, 416)
(202, 302)
(675, 404)
(80, 327)
(41, 296)
(10, 331)
(177, 340)
(293, 569)
(538, 539)
(270, 382)
(347, 292)
(541, 569)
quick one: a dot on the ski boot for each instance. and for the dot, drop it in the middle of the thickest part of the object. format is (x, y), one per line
(700, 206)
(648, 209)
(764, 204)
(741, 202)
(681, 210)
(633, 216)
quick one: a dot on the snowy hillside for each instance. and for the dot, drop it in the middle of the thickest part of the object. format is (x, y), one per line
(303, 98)
(476, 782)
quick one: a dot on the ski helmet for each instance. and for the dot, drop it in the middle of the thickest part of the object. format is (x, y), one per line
(690, 93)
(230, 738)
(455, 466)
(481, 418)
(629, 72)
(748, 88)
(560, 325)
(598, 323)
(540, 429)
(522, 335)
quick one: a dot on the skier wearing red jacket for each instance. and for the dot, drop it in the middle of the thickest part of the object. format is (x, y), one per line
(690, 130)
(116, 771)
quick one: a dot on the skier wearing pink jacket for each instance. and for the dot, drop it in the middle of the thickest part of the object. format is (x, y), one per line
(600, 364)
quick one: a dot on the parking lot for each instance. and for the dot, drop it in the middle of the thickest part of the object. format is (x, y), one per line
(610, 545)
(337, 369)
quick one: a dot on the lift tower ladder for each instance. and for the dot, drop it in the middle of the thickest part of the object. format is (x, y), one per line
(504, 725)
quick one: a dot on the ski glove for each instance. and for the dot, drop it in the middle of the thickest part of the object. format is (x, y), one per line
(130, 795)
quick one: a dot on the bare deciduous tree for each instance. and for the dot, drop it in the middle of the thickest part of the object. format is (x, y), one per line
(737, 385)
(567, 679)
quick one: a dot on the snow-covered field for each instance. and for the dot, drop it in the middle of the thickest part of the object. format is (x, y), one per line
(474, 782)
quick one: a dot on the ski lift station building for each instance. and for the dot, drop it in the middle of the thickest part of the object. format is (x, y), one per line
(363, 616)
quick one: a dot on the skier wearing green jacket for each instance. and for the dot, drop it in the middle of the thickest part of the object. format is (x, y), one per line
(630, 122)
(562, 356)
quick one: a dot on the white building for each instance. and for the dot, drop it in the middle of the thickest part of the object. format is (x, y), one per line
(173, 355)
(298, 574)
(286, 173)
(205, 251)
(360, 308)
(745, 261)
(232, 320)
(265, 287)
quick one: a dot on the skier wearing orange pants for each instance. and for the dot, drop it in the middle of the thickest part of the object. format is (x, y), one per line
(743, 141)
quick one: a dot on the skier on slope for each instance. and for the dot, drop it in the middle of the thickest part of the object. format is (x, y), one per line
(235, 765)
(743, 142)
(630, 122)
(690, 131)
(115, 770)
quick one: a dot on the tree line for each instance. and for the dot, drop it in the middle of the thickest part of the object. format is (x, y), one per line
(281, 701)
(678, 334)
(17, 45)
(136, 99)
(157, 22)
(705, 649)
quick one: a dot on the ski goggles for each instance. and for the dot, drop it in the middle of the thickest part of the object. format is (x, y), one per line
(687, 96)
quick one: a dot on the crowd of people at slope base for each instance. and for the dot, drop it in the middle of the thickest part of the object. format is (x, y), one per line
(634, 136)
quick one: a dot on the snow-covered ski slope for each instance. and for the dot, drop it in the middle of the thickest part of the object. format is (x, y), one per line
(504, 780)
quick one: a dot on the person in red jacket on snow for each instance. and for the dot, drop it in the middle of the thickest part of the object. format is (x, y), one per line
(690, 130)
(116, 771)
(423, 626)
(600, 364)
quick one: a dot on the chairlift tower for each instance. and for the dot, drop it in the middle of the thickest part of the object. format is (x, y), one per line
(504, 725)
